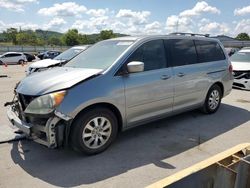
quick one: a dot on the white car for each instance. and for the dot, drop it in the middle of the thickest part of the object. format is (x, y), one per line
(241, 69)
(12, 58)
(57, 61)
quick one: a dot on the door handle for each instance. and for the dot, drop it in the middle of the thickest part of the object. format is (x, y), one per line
(165, 77)
(181, 74)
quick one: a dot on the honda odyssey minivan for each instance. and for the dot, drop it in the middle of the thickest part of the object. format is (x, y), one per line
(120, 83)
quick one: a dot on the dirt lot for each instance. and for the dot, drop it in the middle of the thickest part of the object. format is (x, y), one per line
(139, 157)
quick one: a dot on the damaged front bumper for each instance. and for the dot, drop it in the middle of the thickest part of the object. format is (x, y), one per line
(50, 132)
(242, 80)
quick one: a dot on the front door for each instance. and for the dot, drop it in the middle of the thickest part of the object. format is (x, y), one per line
(149, 94)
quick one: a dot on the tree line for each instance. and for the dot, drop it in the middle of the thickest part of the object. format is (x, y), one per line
(70, 38)
(40, 37)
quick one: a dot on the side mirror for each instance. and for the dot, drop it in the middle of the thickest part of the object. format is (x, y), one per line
(135, 66)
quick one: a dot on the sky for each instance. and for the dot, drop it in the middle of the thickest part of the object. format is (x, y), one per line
(214, 17)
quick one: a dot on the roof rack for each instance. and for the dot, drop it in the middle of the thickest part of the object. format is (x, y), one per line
(191, 34)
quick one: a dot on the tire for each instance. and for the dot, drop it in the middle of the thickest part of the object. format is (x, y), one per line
(21, 62)
(86, 137)
(213, 100)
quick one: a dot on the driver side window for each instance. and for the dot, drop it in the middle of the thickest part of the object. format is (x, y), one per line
(152, 54)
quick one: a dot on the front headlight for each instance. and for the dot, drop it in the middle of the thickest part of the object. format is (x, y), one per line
(45, 104)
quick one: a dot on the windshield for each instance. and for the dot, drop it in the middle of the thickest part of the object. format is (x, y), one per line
(68, 54)
(241, 57)
(101, 55)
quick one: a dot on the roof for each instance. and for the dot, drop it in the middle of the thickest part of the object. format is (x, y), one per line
(13, 53)
(142, 37)
(82, 47)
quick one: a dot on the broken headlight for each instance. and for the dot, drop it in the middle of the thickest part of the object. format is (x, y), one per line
(45, 104)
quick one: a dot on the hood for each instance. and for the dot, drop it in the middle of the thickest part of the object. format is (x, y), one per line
(44, 63)
(241, 66)
(54, 79)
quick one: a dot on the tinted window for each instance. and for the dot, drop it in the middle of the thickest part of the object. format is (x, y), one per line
(181, 51)
(12, 55)
(209, 51)
(8, 55)
(152, 54)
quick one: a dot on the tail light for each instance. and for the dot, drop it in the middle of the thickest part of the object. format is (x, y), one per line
(230, 68)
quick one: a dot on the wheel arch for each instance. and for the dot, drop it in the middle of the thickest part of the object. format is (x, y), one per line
(221, 87)
(109, 106)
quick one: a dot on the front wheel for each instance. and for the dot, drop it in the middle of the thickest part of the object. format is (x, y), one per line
(213, 100)
(94, 131)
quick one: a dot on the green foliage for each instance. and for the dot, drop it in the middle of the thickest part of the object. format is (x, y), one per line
(26, 38)
(83, 39)
(107, 34)
(40, 37)
(57, 41)
(243, 36)
(11, 35)
(71, 38)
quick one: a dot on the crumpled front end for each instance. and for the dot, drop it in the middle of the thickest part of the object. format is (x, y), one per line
(242, 80)
(46, 129)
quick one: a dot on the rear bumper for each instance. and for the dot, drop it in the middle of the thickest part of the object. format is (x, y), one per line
(51, 134)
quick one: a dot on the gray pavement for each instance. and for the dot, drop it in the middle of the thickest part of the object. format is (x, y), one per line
(14, 74)
(139, 157)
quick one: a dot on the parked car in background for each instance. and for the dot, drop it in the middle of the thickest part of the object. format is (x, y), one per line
(51, 54)
(48, 54)
(241, 69)
(29, 57)
(12, 58)
(120, 83)
(40, 55)
(231, 51)
(57, 61)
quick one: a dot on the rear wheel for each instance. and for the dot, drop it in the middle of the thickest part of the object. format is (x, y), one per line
(94, 131)
(213, 100)
(20, 62)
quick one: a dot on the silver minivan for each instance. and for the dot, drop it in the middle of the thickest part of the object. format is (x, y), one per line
(120, 83)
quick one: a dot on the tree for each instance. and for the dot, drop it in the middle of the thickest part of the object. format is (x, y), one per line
(55, 41)
(106, 34)
(243, 36)
(11, 35)
(25, 38)
(83, 39)
(71, 38)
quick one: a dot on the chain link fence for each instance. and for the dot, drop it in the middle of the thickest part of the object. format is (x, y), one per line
(31, 49)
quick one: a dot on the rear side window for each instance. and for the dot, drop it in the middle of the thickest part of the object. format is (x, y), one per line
(209, 51)
(152, 54)
(12, 55)
(181, 52)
